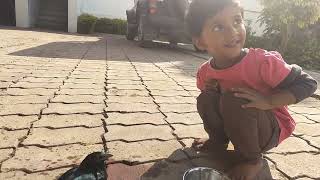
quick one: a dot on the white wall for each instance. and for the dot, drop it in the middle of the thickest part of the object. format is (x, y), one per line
(105, 8)
(22, 13)
(33, 11)
(72, 15)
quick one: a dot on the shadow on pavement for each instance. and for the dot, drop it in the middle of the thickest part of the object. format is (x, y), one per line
(169, 169)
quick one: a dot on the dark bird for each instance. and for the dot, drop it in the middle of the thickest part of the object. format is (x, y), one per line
(91, 168)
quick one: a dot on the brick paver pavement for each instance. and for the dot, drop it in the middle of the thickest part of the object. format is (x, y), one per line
(63, 96)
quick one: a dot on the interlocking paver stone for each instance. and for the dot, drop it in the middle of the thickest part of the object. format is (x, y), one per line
(132, 107)
(59, 108)
(5, 154)
(82, 86)
(60, 121)
(38, 159)
(68, 99)
(301, 119)
(48, 74)
(159, 170)
(185, 118)
(135, 118)
(131, 78)
(187, 131)
(21, 109)
(293, 144)
(138, 132)
(4, 85)
(307, 129)
(298, 164)
(129, 99)
(11, 138)
(169, 93)
(315, 141)
(178, 108)
(48, 137)
(17, 122)
(144, 151)
(175, 100)
(33, 91)
(20, 175)
(190, 88)
(42, 80)
(305, 110)
(29, 99)
(29, 85)
(126, 92)
(313, 117)
(86, 81)
(125, 86)
(81, 91)
(123, 81)
(194, 93)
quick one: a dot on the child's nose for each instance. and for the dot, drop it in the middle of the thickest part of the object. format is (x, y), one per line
(232, 32)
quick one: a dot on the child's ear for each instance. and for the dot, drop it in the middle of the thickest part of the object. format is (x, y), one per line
(199, 43)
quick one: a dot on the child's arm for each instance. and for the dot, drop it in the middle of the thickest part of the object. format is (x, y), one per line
(294, 88)
(299, 83)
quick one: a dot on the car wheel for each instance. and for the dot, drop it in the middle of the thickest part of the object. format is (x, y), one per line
(130, 35)
(142, 42)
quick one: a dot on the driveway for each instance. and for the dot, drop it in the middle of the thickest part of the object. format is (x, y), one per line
(63, 96)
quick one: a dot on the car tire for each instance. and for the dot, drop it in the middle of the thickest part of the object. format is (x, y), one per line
(141, 41)
(130, 34)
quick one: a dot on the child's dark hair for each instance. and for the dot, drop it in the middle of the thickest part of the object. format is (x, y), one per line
(200, 10)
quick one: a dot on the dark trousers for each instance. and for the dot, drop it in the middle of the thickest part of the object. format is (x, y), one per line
(251, 131)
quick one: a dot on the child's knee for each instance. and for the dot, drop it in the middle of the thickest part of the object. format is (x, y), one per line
(231, 104)
(206, 98)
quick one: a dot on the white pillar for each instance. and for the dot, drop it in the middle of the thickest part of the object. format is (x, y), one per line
(22, 13)
(72, 15)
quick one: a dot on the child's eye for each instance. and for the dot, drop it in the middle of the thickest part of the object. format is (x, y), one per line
(217, 28)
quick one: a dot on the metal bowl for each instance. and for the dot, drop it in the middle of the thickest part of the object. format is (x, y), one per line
(204, 173)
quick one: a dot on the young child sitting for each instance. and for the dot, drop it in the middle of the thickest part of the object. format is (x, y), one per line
(244, 92)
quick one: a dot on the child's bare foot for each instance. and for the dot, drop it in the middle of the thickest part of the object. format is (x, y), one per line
(246, 171)
(206, 145)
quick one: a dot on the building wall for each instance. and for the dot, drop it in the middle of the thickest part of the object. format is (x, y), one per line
(73, 6)
(22, 13)
(34, 6)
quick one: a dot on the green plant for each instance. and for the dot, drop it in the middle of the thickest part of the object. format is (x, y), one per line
(104, 25)
(282, 17)
(111, 26)
(252, 40)
(304, 52)
(86, 23)
(120, 26)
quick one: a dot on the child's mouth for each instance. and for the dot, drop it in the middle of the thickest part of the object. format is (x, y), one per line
(233, 44)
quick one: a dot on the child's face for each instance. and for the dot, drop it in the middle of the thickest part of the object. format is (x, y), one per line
(224, 34)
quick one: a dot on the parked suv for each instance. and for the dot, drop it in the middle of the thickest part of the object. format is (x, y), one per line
(157, 20)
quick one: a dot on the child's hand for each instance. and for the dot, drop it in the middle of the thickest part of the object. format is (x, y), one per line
(256, 99)
(212, 85)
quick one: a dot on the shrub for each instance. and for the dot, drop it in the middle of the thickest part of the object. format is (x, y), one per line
(119, 26)
(86, 23)
(305, 53)
(104, 25)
